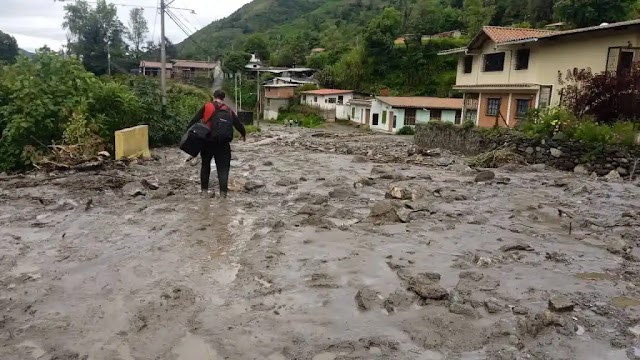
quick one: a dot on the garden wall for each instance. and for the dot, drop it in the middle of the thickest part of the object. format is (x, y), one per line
(557, 152)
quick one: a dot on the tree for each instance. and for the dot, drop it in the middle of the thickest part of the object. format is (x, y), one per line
(583, 13)
(8, 48)
(430, 17)
(137, 31)
(540, 11)
(379, 38)
(257, 44)
(475, 15)
(235, 61)
(94, 34)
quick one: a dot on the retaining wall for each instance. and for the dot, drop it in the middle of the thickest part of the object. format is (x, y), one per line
(556, 152)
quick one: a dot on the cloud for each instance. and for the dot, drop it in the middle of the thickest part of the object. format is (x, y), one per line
(39, 22)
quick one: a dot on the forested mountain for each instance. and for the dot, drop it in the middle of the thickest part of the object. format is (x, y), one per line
(358, 35)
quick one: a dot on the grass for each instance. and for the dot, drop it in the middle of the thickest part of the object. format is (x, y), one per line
(496, 158)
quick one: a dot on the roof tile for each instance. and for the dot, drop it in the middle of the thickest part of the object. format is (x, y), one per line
(501, 34)
(327, 92)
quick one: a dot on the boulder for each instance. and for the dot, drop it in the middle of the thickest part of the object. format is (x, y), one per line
(560, 303)
(581, 169)
(613, 177)
(485, 176)
(384, 212)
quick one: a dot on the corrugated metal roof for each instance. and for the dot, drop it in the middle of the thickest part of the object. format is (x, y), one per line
(327, 92)
(422, 102)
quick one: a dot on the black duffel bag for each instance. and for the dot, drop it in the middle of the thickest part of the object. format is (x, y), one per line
(195, 138)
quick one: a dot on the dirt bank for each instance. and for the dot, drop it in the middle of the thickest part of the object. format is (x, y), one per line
(334, 245)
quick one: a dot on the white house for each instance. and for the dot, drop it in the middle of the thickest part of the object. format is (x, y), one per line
(276, 97)
(392, 113)
(330, 101)
(360, 111)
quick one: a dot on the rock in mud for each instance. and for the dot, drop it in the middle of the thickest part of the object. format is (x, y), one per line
(444, 161)
(312, 210)
(399, 192)
(464, 309)
(537, 167)
(613, 177)
(485, 176)
(162, 194)
(133, 189)
(579, 188)
(427, 286)
(494, 306)
(363, 181)
(341, 193)
(251, 185)
(581, 169)
(470, 281)
(462, 169)
(379, 170)
(520, 310)
(533, 326)
(367, 299)
(268, 163)
(287, 181)
(150, 184)
(560, 303)
(384, 212)
(237, 184)
(399, 300)
(479, 220)
(359, 159)
(516, 247)
(618, 246)
(433, 152)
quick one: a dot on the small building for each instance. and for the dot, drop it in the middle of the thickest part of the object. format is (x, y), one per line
(392, 113)
(360, 111)
(189, 69)
(333, 102)
(276, 97)
(504, 72)
(279, 80)
(152, 68)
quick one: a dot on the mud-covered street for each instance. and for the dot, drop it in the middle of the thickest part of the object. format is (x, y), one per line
(334, 244)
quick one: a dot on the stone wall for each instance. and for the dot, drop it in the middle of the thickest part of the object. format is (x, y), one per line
(556, 152)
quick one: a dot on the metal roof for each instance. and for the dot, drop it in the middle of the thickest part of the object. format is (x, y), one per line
(422, 102)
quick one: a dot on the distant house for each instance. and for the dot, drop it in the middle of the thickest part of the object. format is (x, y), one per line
(189, 69)
(391, 113)
(276, 97)
(317, 50)
(454, 34)
(152, 68)
(360, 111)
(280, 80)
(504, 72)
(332, 101)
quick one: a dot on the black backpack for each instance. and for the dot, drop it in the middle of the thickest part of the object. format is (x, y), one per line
(220, 124)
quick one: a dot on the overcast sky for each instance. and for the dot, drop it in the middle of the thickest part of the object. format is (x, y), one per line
(35, 23)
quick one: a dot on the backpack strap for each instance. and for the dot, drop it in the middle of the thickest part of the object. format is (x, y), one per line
(209, 110)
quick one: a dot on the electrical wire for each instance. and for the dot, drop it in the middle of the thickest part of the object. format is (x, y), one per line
(182, 27)
(155, 21)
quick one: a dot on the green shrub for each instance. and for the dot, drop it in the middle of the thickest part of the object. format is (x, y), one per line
(468, 125)
(406, 130)
(547, 122)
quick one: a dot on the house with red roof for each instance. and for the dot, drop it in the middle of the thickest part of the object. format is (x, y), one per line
(504, 72)
(333, 102)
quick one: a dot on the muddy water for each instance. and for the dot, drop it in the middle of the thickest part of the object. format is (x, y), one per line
(256, 276)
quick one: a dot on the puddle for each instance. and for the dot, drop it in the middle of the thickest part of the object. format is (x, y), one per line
(194, 347)
(624, 302)
(596, 276)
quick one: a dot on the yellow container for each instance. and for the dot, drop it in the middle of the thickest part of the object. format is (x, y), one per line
(133, 142)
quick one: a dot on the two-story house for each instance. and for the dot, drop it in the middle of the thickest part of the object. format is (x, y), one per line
(504, 72)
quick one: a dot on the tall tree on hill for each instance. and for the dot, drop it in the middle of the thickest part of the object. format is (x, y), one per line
(476, 14)
(137, 30)
(8, 48)
(95, 33)
(259, 45)
(582, 13)
(433, 16)
(379, 38)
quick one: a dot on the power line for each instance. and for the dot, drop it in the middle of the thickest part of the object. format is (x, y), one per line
(155, 21)
(181, 25)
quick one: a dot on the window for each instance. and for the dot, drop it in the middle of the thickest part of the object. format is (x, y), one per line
(315, 99)
(395, 118)
(471, 115)
(545, 97)
(332, 100)
(467, 63)
(522, 59)
(458, 119)
(374, 121)
(494, 62)
(340, 100)
(384, 117)
(410, 117)
(522, 106)
(353, 112)
(493, 106)
(625, 62)
(304, 98)
(435, 114)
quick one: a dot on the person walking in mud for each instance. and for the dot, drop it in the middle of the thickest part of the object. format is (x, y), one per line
(221, 121)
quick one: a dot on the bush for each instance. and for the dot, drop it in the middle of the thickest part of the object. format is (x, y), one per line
(406, 130)
(53, 100)
(548, 122)
(307, 116)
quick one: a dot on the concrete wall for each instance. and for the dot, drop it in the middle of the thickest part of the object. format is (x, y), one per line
(322, 101)
(561, 154)
(423, 116)
(360, 115)
(272, 107)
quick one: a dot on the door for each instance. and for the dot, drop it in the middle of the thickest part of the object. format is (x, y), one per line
(374, 121)
(392, 121)
(367, 117)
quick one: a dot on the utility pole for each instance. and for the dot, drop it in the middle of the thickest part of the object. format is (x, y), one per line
(109, 57)
(163, 57)
(258, 97)
(240, 105)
